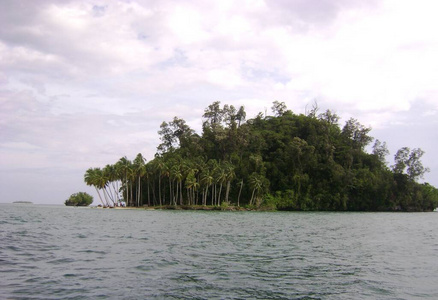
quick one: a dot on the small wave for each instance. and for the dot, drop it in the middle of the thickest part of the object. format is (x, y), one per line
(92, 251)
(61, 261)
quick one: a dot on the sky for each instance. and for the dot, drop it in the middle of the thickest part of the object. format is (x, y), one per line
(84, 83)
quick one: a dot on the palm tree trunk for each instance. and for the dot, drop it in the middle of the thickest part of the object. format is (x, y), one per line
(132, 195)
(252, 197)
(149, 195)
(181, 194)
(159, 189)
(100, 197)
(125, 194)
(228, 191)
(105, 197)
(175, 196)
(109, 196)
(154, 196)
(170, 191)
(212, 195)
(138, 190)
(115, 191)
(219, 198)
(240, 191)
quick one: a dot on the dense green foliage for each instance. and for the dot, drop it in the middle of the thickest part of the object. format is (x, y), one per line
(79, 199)
(286, 162)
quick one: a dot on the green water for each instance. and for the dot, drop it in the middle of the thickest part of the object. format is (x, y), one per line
(56, 252)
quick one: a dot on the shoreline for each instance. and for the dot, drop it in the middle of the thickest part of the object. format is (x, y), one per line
(186, 207)
(240, 208)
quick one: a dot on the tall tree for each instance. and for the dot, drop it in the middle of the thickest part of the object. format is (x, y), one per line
(278, 108)
(91, 179)
(380, 151)
(167, 137)
(415, 167)
(357, 134)
(240, 116)
(124, 169)
(140, 170)
(401, 159)
(213, 114)
(405, 158)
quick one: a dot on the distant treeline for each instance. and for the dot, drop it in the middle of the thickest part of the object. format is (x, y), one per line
(285, 161)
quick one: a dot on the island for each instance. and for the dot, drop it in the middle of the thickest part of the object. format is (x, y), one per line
(283, 161)
(79, 199)
(22, 202)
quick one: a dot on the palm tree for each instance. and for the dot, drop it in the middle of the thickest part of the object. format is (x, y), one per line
(229, 176)
(191, 185)
(179, 176)
(110, 172)
(206, 181)
(220, 177)
(148, 174)
(255, 182)
(200, 165)
(140, 171)
(131, 174)
(167, 172)
(159, 168)
(97, 178)
(176, 177)
(240, 192)
(123, 166)
(90, 179)
(213, 165)
(102, 183)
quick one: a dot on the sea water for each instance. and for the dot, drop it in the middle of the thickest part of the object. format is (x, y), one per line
(57, 252)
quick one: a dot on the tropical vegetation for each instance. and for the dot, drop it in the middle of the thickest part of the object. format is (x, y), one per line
(79, 199)
(283, 161)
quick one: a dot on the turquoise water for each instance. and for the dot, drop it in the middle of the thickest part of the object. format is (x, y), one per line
(57, 252)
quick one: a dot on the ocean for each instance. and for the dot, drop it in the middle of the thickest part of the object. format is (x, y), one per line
(58, 252)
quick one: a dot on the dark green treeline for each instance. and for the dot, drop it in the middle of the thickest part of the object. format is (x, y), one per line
(285, 162)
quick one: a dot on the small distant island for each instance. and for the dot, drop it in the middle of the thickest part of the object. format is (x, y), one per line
(284, 161)
(79, 199)
(22, 202)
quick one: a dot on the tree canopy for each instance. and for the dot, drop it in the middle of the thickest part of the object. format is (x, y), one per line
(286, 161)
(79, 199)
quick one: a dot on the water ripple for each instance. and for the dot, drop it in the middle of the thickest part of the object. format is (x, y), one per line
(64, 253)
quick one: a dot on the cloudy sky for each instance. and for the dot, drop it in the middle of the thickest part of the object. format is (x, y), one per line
(84, 83)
